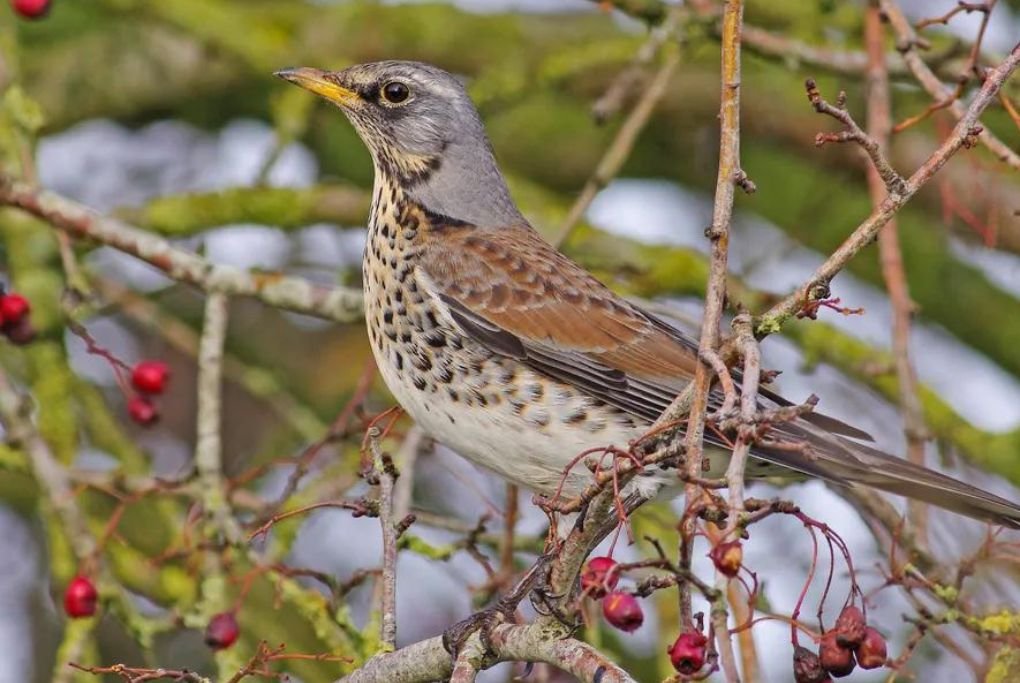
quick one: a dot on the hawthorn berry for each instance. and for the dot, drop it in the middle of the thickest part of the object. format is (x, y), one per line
(13, 307)
(15, 322)
(623, 611)
(850, 627)
(871, 653)
(727, 558)
(80, 598)
(31, 9)
(222, 631)
(835, 658)
(688, 652)
(150, 376)
(807, 667)
(142, 410)
(599, 577)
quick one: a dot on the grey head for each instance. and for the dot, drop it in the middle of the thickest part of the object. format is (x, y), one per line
(424, 133)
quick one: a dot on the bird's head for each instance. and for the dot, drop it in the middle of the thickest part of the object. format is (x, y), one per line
(423, 132)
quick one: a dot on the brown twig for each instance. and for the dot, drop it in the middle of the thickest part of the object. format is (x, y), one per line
(622, 144)
(728, 177)
(891, 258)
(385, 474)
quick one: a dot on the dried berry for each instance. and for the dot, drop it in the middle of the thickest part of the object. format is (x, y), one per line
(80, 598)
(688, 652)
(599, 577)
(623, 611)
(142, 410)
(150, 376)
(20, 333)
(849, 628)
(836, 659)
(727, 557)
(871, 653)
(31, 9)
(222, 631)
(807, 668)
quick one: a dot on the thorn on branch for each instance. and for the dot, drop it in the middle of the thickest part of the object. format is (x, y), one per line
(810, 308)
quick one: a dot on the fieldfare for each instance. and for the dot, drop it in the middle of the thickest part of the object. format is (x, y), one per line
(510, 353)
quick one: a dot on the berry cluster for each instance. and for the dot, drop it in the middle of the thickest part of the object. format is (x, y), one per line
(621, 609)
(851, 642)
(15, 320)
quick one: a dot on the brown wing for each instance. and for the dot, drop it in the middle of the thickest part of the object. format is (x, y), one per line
(515, 294)
(512, 292)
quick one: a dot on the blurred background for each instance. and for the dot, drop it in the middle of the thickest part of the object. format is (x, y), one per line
(165, 113)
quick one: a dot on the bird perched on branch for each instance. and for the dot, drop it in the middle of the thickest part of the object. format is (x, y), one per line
(509, 352)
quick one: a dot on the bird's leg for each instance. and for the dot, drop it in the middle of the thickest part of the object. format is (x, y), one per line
(503, 611)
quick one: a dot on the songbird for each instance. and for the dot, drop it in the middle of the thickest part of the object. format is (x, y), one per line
(510, 353)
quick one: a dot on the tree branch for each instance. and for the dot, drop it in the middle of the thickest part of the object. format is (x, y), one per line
(291, 293)
(817, 287)
(541, 641)
(907, 44)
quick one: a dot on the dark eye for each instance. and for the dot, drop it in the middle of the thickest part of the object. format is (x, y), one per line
(395, 92)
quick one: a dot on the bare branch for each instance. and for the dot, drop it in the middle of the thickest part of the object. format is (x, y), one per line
(963, 134)
(539, 642)
(908, 43)
(295, 294)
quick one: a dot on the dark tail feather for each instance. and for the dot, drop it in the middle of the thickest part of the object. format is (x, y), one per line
(842, 461)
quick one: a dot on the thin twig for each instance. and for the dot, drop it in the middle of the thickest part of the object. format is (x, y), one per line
(386, 472)
(729, 175)
(891, 258)
(621, 146)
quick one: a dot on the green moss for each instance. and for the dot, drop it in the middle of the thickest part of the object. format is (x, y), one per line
(1005, 667)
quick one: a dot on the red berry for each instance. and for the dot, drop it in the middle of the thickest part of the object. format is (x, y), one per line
(599, 577)
(836, 659)
(222, 631)
(150, 376)
(80, 598)
(807, 668)
(871, 653)
(142, 410)
(850, 627)
(13, 308)
(31, 9)
(623, 611)
(688, 652)
(727, 558)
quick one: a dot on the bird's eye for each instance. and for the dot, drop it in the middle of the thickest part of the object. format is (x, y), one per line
(395, 92)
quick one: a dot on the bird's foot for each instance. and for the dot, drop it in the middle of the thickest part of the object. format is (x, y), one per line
(503, 611)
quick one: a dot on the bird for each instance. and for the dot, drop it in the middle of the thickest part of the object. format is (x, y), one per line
(513, 355)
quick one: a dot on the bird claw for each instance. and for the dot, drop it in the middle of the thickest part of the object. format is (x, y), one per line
(484, 621)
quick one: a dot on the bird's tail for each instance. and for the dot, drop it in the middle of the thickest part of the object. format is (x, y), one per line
(843, 461)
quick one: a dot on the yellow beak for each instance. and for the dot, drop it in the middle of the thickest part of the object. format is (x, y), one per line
(320, 83)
